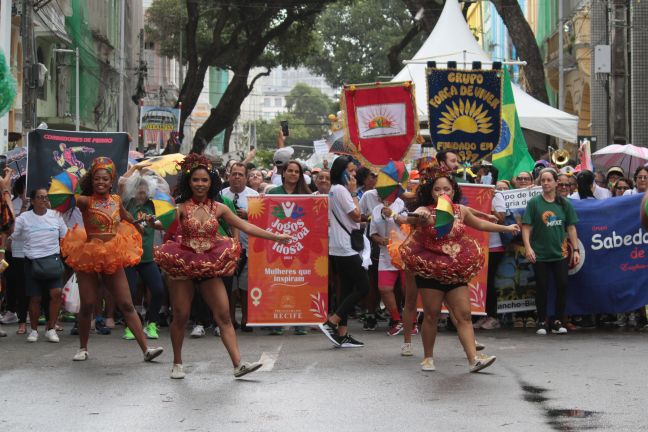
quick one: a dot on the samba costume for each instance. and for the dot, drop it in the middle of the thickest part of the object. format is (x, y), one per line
(102, 217)
(200, 251)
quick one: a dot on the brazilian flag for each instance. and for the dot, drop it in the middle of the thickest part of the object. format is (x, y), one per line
(511, 155)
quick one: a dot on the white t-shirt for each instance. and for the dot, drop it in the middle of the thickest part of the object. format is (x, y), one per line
(17, 245)
(241, 202)
(40, 234)
(341, 204)
(632, 191)
(499, 206)
(383, 227)
(599, 193)
(369, 201)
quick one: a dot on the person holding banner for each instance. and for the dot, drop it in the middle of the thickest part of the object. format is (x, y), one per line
(641, 181)
(201, 254)
(444, 262)
(548, 223)
(106, 244)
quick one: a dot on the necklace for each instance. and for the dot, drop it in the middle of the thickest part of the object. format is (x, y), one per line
(102, 203)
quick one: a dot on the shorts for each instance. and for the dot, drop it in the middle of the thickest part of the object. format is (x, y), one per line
(388, 278)
(37, 287)
(425, 283)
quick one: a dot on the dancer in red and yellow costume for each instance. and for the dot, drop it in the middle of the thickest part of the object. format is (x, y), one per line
(201, 254)
(108, 243)
(444, 264)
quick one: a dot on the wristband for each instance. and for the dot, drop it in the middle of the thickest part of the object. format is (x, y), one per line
(354, 194)
(577, 250)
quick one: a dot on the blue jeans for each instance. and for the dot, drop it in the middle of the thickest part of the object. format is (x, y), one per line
(150, 275)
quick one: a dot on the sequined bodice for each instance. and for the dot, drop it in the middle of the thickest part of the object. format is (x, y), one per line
(197, 235)
(102, 215)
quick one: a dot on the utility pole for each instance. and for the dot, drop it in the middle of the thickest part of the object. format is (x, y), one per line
(120, 119)
(29, 80)
(561, 64)
(181, 74)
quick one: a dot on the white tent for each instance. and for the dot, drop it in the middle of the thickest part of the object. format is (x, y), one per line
(451, 40)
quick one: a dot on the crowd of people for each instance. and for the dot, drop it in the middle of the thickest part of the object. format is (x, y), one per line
(131, 267)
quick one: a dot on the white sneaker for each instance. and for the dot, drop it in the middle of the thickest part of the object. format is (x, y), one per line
(152, 353)
(246, 368)
(198, 331)
(9, 318)
(490, 324)
(33, 336)
(478, 324)
(81, 355)
(482, 362)
(541, 331)
(51, 336)
(177, 371)
(428, 364)
(479, 346)
(406, 350)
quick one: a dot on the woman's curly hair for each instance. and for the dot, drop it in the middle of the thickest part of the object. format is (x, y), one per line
(424, 191)
(192, 163)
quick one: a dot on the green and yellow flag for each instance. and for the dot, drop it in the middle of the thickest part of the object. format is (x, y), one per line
(511, 155)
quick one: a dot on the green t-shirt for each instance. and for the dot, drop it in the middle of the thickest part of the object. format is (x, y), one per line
(139, 212)
(223, 228)
(549, 222)
(279, 190)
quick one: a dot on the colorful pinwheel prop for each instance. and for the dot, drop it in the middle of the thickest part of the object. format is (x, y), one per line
(444, 216)
(392, 180)
(165, 208)
(62, 191)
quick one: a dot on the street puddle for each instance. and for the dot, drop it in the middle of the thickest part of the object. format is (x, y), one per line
(560, 419)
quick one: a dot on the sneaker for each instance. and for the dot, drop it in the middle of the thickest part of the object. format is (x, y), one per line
(277, 331)
(518, 322)
(370, 323)
(381, 315)
(428, 364)
(479, 346)
(621, 320)
(151, 331)
(177, 372)
(415, 330)
(482, 362)
(68, 317)
(198, 331)
(246, 368)
(74, 331)
(301, 331)
(101, 328)
(490, 324)
(570, 327)
(530, 323)
(33, 336)
(347, 341)
(51, 336)
(478, 324)
(406, 350)
(395, 329)
(152, 353)
(557, 328)
(217, 332)
(81, 355)
(110, 323)
(542, 330)
(128, 334)
(330, 331)
(9, 318)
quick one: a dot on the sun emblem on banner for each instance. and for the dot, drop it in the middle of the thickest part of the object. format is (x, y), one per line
(256, 207)
(375, 121)
(467, 117)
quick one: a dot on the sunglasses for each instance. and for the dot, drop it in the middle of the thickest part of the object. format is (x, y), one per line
(563, 185)
(524, 179)
(622, 187)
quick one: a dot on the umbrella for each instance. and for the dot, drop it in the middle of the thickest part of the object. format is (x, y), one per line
(444, 216)
(133, 154)
(392, 180)
(17, 160)
(165, 209)
(628, 156)
(62, 190)
(166, 166)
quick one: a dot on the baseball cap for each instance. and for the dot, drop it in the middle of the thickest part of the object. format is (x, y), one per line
(615, 169)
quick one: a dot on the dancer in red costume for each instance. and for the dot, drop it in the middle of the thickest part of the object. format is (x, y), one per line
(201, 254)
(108, 243)
(445, 264)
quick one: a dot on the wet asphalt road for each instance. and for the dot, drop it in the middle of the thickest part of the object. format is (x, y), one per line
(582, 381)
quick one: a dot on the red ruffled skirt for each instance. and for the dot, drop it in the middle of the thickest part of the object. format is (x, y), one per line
(181, 262)
(98, 256)
(450, 261)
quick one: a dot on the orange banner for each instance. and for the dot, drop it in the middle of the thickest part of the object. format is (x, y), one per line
(288, 284)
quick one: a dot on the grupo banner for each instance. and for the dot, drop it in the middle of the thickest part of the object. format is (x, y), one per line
(515, 280)
(50, 152)
(288, 284)
(157, 123)
(465, 110)
(612, 275)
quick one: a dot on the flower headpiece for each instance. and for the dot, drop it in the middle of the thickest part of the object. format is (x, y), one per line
(105, 163)
(429, 169)
(195, 160)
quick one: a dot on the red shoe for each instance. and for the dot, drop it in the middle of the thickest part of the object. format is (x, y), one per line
(395, 329)
(570, 327)
(415, 330)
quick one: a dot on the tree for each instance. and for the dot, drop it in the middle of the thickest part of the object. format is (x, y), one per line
(235, 36)
(363, 40)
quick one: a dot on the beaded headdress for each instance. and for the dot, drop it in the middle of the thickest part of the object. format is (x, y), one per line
(429, 169)
(195, 160)
(105, 163)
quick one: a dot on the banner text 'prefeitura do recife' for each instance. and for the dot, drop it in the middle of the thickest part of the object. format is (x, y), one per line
(288, 283)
